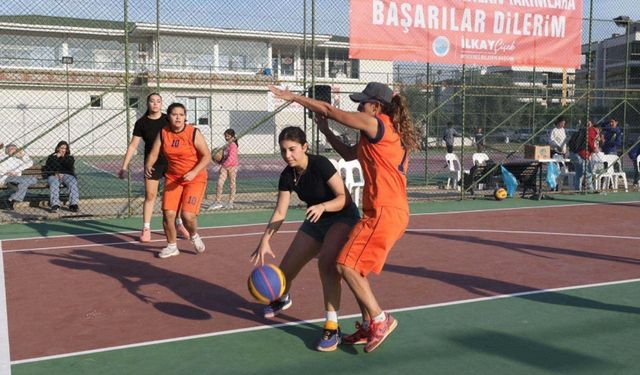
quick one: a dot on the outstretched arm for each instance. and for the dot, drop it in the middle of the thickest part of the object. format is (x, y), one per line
(354, 120)
(347, 152)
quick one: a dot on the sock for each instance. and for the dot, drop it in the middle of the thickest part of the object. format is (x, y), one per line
(146, 225)
(332, 320)
(172, 246)
(178, 221)
(380, 318)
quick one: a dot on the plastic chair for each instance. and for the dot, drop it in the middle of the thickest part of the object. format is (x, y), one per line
(479, 158)
(349, 170)
(455, 171)
(610, 178)
(565, 174)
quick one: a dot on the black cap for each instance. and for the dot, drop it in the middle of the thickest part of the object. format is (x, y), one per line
(374, 91)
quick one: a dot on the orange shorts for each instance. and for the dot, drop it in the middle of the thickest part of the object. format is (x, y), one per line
(372, 238)
(187, 195)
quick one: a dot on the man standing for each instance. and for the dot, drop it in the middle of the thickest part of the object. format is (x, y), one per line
(580, 154)
(11, 169)
(449, 135)
(558, 138)
(612, 138)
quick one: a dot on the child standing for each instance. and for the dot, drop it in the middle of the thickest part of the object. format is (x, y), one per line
(228, 167)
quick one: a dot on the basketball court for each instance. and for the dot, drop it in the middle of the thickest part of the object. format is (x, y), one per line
(516, 286)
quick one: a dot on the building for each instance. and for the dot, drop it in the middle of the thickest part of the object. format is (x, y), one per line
(65, 78)
(608, 60)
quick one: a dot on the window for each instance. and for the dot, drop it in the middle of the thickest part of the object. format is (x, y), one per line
(198, 109)
(96, 101)
(134, 102)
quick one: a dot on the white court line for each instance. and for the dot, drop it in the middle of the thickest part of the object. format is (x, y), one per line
(304, 322)
(526, 232)
(410, 230)
(300, 221)
(135, 242)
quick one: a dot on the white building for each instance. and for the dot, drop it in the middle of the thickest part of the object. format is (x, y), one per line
(64, 79)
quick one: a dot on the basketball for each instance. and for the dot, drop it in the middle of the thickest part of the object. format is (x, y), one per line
(266, 283)
(500, 194)
(217, 155)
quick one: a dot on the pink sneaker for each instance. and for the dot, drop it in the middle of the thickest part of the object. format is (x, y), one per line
(145, 236)
(359, 337)
(182, 232)
(378, 332)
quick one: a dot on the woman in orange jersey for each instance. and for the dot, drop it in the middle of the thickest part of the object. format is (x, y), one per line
(187, 155)
(387, 137)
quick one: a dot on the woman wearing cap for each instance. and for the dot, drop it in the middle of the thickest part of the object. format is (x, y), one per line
(387, 138)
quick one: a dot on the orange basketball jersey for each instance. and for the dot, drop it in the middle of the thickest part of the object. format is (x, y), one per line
(384, 163)
(180, 151)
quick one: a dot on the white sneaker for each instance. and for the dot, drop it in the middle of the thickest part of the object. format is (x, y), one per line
(168, 252)
(216, 206)
(198, 244)
(229, 206)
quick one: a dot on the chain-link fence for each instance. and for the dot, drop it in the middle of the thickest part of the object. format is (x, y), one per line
(80, 71)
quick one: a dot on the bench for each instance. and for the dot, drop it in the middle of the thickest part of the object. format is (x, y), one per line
(38, 192)
(526, 172)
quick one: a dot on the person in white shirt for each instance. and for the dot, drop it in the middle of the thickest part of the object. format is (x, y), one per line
(558, 138)
(11, 167)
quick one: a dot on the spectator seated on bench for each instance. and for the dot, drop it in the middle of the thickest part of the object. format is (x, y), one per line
(60, 169)
(11, 167)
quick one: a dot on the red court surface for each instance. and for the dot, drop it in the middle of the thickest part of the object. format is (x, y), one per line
(70, 294)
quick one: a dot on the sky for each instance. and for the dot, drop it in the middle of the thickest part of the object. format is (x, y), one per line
(332, 16)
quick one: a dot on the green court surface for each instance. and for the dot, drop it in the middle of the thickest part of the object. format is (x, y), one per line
(590, 330)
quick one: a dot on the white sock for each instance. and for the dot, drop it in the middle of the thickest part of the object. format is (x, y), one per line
(380, 318)
(172, 246)
(146, 225)
(332, 316)
(178, 221)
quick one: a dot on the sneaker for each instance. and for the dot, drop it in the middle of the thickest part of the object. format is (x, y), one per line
(359, 337)
(229, 206)
(145, 236)
(55, 208)
(216, 206)
(330, 340)
(182, 232)
(10, 204)
(168, 252)
(74, 208)
(276, 307)
(198, 244)
(378, 332)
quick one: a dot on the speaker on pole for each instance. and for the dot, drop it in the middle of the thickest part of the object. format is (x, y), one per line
(321, 92)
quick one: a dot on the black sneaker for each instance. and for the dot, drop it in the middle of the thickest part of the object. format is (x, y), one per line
(55, 208)
(74, 208)
(10, 204)
(277, 306)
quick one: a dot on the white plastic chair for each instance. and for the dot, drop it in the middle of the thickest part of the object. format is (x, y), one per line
(479, 158)
(565, 174)
(609, 178)
(455, 171)
(349, 170)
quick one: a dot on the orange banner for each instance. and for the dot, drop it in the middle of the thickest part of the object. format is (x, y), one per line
(543, 33)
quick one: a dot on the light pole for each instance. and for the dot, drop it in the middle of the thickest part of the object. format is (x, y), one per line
(67, 60)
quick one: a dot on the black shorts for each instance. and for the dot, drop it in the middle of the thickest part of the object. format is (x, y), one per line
(319, 229)
(158, 170)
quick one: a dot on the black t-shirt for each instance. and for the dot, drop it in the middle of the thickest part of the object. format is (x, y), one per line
(148, 130)
(312, 187)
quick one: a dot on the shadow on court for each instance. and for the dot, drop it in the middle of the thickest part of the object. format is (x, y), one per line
(202, 296)
(536, 354)
(483, 286)
(530, 248)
